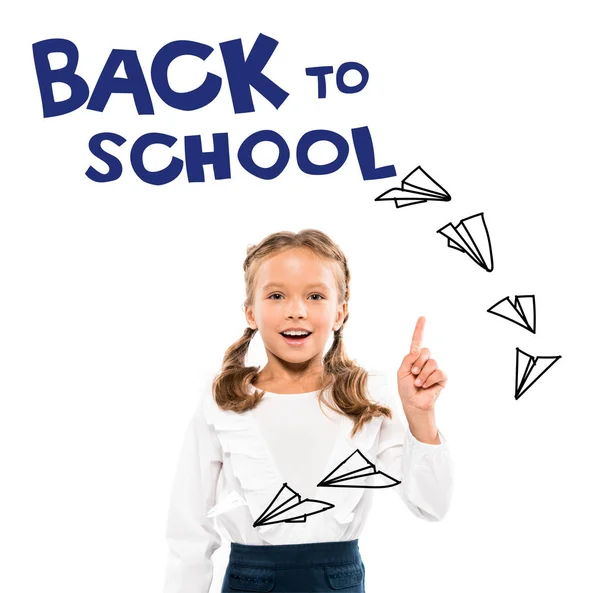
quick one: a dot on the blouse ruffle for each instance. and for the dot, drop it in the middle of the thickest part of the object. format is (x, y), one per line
(260, 480)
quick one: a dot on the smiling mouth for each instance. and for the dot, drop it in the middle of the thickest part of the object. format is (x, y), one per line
(297, 339)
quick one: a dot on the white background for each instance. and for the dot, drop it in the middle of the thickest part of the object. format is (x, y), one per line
(118, 299)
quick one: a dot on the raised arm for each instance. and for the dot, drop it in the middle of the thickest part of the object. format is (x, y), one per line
(425, 470)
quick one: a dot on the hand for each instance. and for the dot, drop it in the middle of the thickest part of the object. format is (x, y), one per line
(420, 388)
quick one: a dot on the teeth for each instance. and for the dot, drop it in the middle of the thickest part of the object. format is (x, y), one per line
(295, 333)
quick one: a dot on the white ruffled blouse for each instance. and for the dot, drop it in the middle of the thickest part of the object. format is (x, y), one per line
(241, 477)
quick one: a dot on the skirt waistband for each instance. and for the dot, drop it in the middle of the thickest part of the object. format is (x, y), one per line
(293, 555)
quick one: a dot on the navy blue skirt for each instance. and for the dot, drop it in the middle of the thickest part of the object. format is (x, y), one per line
(295, 568)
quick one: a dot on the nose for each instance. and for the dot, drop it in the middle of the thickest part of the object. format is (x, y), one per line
(296, 308)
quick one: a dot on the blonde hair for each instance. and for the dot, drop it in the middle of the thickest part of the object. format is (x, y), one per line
(348, 381)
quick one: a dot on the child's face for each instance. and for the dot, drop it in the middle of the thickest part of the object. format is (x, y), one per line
(295, 289)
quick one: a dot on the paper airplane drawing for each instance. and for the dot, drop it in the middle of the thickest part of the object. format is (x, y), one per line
(287, 507)
(521, 312)
(530, 369)
(471, 236)
(356, 471)
(417, 187)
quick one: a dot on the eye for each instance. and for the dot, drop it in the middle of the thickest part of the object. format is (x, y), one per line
(321, 297)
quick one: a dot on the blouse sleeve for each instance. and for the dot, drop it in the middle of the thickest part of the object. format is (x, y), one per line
(192, 537)
(425, 470)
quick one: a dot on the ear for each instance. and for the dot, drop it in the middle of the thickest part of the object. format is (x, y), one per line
(250, 317)
(340, 315)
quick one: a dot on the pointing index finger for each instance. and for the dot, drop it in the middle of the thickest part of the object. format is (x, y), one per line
(417, 337)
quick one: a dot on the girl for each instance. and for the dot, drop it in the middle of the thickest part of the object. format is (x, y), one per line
(288, 484)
